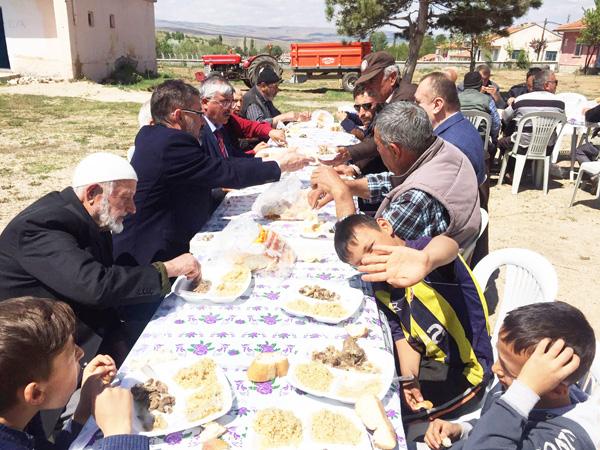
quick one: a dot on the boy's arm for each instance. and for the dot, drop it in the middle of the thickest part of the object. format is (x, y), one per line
(402, 266)
(410, 361)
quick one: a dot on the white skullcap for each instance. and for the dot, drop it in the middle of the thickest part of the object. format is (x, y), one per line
(100, 167)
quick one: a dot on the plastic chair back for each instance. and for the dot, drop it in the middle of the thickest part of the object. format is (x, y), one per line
(543, 125)
(476, 118)
(530, 278)
(590, 383)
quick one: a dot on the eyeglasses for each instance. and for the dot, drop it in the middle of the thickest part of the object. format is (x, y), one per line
(365, 106)
(193, 111)
(224, 103)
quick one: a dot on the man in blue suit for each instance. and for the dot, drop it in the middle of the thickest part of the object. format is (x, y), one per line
(176, 175)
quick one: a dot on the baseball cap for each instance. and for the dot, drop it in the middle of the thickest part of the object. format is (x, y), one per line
(268, 76)
(373, 64)
(473, 80)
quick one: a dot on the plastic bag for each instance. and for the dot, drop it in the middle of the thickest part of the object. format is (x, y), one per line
(245, 242)
(284, 200)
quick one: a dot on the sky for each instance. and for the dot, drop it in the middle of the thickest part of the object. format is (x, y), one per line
(312, 12)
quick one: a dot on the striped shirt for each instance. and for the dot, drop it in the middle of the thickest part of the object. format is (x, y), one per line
(444, 318)
(532, 102)
(414, 214)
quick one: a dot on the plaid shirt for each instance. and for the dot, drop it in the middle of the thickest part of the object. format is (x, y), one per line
(414, 214)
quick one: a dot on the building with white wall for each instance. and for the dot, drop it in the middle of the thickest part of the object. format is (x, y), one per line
(76, 38)
(507, 48)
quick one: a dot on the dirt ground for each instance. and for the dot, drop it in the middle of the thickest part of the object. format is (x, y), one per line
(39, 147)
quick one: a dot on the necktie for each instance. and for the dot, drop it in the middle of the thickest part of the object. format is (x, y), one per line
(219, 136)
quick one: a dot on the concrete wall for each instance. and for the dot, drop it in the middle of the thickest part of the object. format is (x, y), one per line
(37, 37)
(95, 48)
(520, 41)
(568, 59)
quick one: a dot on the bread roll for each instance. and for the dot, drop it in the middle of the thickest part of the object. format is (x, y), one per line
(215, 444)
(268, 366)
(425, 404)
(370, 409)
(356, 331)
(212, 430)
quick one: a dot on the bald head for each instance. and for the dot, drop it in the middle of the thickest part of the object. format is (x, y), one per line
(451, 73)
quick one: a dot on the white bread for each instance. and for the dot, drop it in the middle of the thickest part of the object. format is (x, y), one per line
(425, 404)
(267, 366)
(212, 430)
(446, 442)
(356, 330)
(215, 444)
(384, 437)
(371, 411)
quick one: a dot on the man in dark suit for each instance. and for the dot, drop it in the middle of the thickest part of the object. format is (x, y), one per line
(60, 247)
(176, 175)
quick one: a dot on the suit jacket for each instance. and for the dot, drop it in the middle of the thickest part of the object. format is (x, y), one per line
(367, 148)
(54, 249)
(173, 199)
(245, 134)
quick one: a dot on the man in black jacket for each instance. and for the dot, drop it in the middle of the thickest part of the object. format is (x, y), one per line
(176, 176)
(60, 247)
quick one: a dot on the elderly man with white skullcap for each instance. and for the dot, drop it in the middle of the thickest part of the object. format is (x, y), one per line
(60, 247)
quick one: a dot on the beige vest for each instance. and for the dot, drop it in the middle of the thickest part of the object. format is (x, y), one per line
(445, 173)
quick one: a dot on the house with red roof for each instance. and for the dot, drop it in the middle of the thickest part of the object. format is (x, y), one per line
(573, 54)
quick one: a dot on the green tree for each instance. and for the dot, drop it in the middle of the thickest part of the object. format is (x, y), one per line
(416, 17)
(440, 39)
(276, 51)
(252, 50)
(378, 41)
(590, 35)
(427, 47)
(245, 46)
(523, 60)
(178, 36)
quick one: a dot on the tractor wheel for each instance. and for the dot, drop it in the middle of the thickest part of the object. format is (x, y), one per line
(247, 82)
(349, 81)
(259, 63)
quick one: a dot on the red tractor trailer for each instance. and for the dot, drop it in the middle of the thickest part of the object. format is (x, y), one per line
(329, 60)
(233, 68)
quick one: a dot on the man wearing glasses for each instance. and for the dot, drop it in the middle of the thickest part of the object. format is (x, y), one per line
(176, 175)
(542, 98)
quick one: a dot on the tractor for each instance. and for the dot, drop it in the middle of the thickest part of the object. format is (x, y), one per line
(233, 68)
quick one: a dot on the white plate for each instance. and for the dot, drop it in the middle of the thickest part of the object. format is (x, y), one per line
(350, 298)
(304, 409)
(213, 273)
(201, 243)
(380, 358)
(324, 231)
(177, 421)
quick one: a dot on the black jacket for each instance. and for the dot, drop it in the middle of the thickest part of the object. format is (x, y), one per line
(173, 198)
(54, 249)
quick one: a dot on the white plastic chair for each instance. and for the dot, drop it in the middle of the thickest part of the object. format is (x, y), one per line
(543, 125)
(590, 383)
(476, 117)
(574, 104)
(591, 167)
(530, 278)
(470, 248)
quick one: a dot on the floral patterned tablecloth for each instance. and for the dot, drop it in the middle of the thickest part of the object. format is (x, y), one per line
(233, 333)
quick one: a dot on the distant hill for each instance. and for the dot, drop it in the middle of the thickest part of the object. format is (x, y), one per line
(235, 33)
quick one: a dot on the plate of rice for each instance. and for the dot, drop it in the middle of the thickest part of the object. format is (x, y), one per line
(180, 395)
(325, 302)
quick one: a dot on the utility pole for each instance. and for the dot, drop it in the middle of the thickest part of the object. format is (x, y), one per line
(540, 47)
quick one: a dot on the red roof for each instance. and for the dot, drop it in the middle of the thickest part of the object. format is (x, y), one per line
(573, 26)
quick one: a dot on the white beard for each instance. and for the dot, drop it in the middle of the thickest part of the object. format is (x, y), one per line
(106, 220)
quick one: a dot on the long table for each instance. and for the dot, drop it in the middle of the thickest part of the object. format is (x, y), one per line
(233, 333)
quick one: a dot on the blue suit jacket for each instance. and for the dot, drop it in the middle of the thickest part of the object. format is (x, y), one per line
(173, 198)
(463, 135)
(209, 141)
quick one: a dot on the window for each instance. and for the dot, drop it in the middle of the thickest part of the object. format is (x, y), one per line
(551, 56)
(579, 49)
(515, 54)
(91, 18)
(111, 20)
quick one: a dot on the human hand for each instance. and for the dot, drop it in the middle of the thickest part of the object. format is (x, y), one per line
(341, 115)
(440, 429)
(303, 116)
(260, 146)
(412, 394)
(510, 101)
(292, 161)
(548, 366)
(342, 156)
(185, 264)
(400, 267)
(278, 136)
(99, 372)
(345, 170)
(327, 179)
(317, 198)
(113, 408)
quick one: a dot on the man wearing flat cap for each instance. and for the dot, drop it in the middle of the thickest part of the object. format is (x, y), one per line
(60, 247)
(258, 101)
(381, 78)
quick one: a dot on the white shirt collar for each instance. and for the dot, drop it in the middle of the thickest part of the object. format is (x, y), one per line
(211, 125)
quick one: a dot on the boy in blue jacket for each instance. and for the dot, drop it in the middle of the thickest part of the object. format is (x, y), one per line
(39, 370)
(543, 349)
